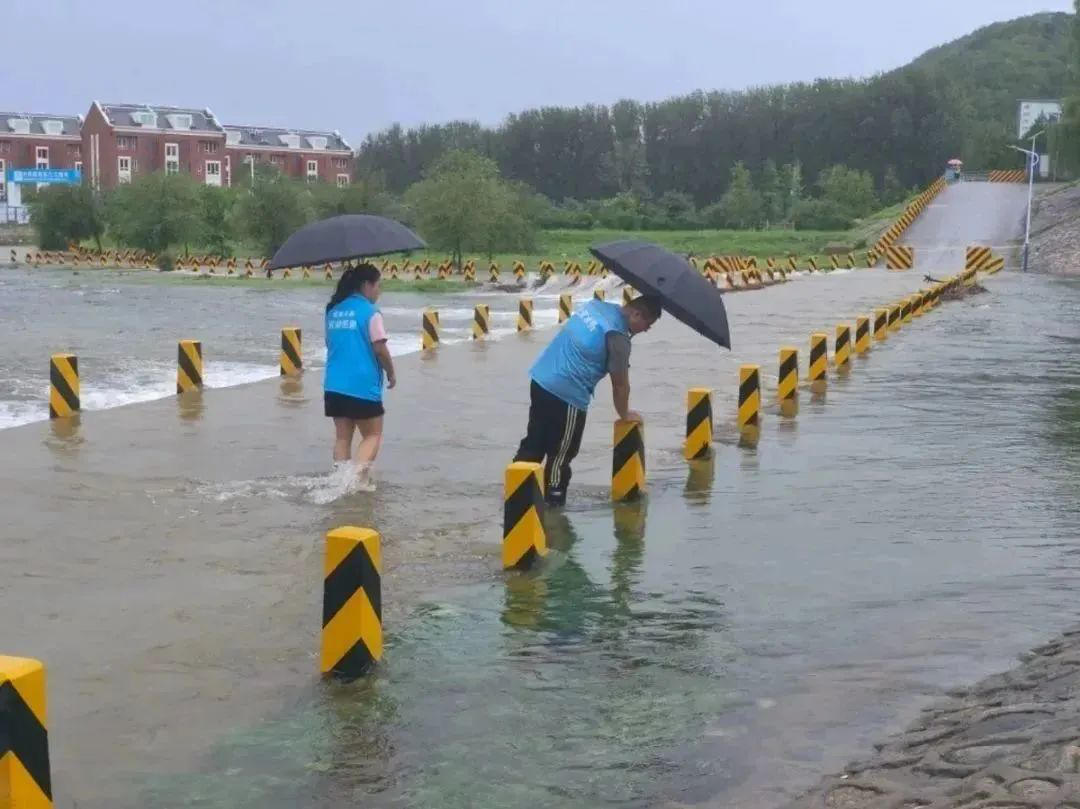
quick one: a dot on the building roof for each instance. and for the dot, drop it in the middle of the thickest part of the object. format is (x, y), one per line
(153, 117)
(39, 123)
(301, 140)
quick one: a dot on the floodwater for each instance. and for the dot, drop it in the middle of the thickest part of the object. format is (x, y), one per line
(757, 621)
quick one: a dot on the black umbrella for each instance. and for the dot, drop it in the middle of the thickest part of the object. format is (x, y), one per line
(682, 290)
(344, 237)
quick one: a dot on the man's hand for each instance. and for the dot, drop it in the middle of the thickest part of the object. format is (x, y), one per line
(633, 415)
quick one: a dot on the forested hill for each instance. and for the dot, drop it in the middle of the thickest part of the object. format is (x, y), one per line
(957, 99)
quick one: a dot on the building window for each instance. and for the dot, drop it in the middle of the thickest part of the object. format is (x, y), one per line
(125, 142)
(213, 172)
(341, 162)
(41, 155)
(208, 146)
(312, 170)
(78, 166)
(342, 180)
(172, 158)
(75, 149)
(3, 180)
(5, 146)
(123, 169)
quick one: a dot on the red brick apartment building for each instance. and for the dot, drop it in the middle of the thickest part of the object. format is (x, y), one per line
(299, 153)
(38, 141)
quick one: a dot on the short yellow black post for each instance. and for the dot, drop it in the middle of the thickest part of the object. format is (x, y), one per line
(524, 539)
(905, 311)
(749, 415)
(894, 318)
(881, 325)
(842, 350)
(63, 386)
(525, 314)
(627, 295)
(699, 424)
(352, 638)
(862, 334)
(429, 336)
(189, 366)
(819, 362)
(25, 780)
(566, 307)
(917, 305)
(481, 326)
(787, 383)
(292, 362)
(598, 294)
(628, 461)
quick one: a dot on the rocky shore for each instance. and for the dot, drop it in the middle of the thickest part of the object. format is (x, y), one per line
(1055, 230)
(1011, 741)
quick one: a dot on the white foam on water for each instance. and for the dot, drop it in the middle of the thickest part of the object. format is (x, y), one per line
(14, 414)
(321, 489)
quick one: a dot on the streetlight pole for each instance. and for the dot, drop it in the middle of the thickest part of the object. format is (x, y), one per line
(1033, 160)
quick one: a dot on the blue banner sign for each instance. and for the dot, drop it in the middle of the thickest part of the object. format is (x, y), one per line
(61, 176)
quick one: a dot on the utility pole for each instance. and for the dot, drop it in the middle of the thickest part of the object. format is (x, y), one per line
(1033, 162)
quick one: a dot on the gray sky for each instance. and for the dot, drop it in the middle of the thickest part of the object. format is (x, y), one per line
(359, 65)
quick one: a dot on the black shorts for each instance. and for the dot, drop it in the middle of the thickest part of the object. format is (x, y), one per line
(340, 406)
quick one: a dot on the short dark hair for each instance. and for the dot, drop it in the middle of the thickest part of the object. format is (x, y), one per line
(647, 305)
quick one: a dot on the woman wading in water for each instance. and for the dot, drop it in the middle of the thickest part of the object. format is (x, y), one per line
(357, 357)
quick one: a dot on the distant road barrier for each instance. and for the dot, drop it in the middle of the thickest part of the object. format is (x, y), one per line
(899, 257)
(983, 259)
(1008, 176)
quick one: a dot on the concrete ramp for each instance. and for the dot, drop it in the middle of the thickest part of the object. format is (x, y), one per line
(988, 214)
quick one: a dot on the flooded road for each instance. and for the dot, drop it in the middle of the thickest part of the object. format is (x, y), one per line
(757, 621)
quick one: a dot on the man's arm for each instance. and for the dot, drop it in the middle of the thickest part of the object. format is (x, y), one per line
(618, 346)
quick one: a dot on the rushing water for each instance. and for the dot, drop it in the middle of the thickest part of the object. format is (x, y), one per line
(757, 621)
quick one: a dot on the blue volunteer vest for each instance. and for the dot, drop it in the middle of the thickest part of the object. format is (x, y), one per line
(576, 360)
(351, 366)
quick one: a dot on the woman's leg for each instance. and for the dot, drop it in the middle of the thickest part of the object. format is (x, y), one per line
(370, 440)
(343, 433)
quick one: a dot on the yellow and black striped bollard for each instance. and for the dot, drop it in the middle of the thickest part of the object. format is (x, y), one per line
(524, 539)
(787, 384)
(819, 362)
(598, 294)
(894, 317)
(63, 386)
(352, 638)
(493, 272)
(749, 413)
(566, 307)
(25, 779)
(328, 272)
(862, 334)
(429, 334)
(525, 314)
(481, 326)
(189, 366)
(917, 305)
(905, 311)
(699, 424)
(842, 352)
(292, 362)
(628, 461)
(881, 325)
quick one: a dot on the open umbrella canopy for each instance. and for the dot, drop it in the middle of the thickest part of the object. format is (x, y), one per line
(345, 237)
(682, 290)
(956, 161)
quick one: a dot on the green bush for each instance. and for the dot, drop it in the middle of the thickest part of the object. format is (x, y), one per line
(821, 214)
(66, 214)
(166, 261)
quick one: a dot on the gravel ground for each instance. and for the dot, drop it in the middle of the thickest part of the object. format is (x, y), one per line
(1055, 230)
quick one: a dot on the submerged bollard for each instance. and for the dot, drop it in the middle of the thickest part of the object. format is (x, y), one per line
(63, 386)
(749, 413)
(787, 384)
(894, 318)
(842, 352)
(566, 307)
(525, 314)
(292, 362)
(881, 325)
(481, 326)
(862, 334)
(429, 336)
(189, 366)
(819, 361)
(917, 303)
(905, 310)
(628, 461)
(352, 639)
(699, 424)
(524, 538)
(25, 779)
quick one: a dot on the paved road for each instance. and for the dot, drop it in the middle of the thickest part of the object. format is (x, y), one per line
(990, 214)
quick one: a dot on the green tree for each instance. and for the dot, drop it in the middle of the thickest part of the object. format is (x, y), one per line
(155, 212)
(361, 196)
(772, 194)
(820, 214)
(464, 205)
(850, 190)
(66, 214)
(741, 206)
(892, 190)
(271, 210)
(215, 212)
(678, 211)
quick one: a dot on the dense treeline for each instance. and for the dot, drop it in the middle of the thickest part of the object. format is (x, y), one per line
(959, 99)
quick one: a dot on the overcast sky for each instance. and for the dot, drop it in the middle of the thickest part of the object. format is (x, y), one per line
(359, 65)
